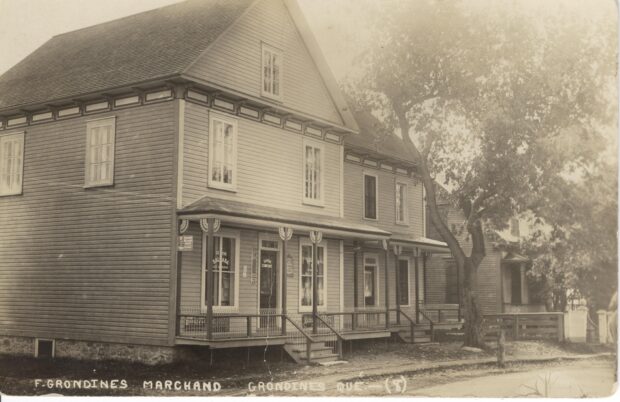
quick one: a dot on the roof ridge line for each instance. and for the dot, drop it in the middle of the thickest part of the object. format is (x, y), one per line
(120, 18)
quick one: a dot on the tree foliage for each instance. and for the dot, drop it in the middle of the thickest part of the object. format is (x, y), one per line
(500, 104)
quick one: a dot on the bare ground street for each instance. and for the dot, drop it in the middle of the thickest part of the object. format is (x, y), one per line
(377, 368)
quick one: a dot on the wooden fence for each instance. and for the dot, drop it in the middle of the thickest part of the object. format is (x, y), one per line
(521, 326)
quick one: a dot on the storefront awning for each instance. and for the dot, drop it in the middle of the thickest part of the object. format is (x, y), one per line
(241, 213)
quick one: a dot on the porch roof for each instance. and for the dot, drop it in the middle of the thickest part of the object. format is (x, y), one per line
(423, 243)
(258, 215)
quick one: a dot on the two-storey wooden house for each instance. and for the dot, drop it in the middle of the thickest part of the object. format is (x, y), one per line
(180, 177)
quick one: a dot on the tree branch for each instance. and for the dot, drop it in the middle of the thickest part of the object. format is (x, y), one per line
(429, 185)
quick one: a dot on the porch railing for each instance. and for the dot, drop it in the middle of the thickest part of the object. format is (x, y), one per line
(358, 320)
(431, 323)
(231, 325)
(442, 312)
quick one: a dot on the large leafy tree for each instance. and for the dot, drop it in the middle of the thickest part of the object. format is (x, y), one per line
(489, 101)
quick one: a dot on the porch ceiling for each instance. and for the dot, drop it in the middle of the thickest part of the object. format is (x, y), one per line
(263, 216)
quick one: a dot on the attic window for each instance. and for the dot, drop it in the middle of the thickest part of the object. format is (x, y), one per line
(271, 72)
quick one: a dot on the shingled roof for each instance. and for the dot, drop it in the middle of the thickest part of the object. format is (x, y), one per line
(151, 45)
(375, 139)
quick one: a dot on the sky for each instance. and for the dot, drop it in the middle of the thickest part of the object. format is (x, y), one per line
(339, 25)
(27, 24)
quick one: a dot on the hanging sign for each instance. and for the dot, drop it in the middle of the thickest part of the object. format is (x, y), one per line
(186, 243)
(289, 266)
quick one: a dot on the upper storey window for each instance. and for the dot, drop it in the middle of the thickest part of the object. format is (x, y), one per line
(370, 196)
(222, 152)
(401, 203)
(11, 163)
(271, 72)
(313, 172)
(100, 139)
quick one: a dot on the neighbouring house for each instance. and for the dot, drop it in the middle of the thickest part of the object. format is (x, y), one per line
(503, 283)
(191, 175)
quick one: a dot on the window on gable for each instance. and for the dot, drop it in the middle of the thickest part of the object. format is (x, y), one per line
(313, 173)
(222, 152)
(401, 203)
(100, 138)
(272, 72)
(11, 163)
(370, 196)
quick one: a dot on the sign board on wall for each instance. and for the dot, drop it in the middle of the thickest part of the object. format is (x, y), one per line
(186, 243)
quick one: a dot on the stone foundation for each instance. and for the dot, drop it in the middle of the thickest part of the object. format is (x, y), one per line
(86, 350)
(16, 345)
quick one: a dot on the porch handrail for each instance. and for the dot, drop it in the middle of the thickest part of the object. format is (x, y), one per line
(411, 321)
(431, 323)
(309, 339)
(338, 335)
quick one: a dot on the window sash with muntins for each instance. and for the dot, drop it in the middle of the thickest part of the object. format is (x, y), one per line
(370, 196)
(272, 72)
(401, 202)
(100, 144)
(223, 152)
(224, 272)
(313, 173)
(11, 163)
(371, 265)
(305, 274)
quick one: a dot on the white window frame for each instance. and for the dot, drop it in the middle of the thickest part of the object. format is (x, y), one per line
(364, 174)
(320, 146)
(405, 217)
(4, 138)
(217, 308)
(401, 258)
(377, 279)
(306, 242)
(280, 54)
(213, 117)
(96, 123)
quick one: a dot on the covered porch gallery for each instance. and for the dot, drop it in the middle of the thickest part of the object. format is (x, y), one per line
(277, 275)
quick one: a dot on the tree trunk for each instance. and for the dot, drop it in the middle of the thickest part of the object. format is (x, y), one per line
(472, 328)
(467, 265)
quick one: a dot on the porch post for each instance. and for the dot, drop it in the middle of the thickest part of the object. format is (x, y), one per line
(387, 287)
(285, 235)
(355, 256)
(397, 251)
(417, 286)
(315, 237)
(210, 287)
(424, 256)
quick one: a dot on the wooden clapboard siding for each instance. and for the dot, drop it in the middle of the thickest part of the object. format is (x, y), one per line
(489, 273)
(234, 61)
(436, 281)
(91, 264)
(191, 273)
(349, 280)
(269, 164)
(386, 198)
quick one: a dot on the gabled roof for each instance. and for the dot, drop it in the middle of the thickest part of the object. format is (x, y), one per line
(151, 45)
(376, 140)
